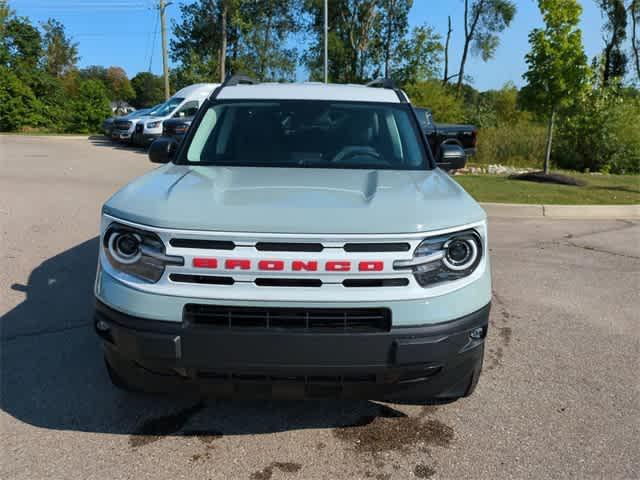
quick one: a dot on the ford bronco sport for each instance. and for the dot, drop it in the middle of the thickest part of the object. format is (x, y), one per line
(301, 241)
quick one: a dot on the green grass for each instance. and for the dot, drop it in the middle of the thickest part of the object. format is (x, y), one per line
(599, 190)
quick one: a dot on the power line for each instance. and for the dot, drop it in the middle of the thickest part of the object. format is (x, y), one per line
(153, 42)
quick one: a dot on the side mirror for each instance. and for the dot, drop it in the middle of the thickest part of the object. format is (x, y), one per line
(451, 157)
(162, 150)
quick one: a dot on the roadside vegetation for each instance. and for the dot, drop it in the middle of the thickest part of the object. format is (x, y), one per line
(586, 119)
(597, 190)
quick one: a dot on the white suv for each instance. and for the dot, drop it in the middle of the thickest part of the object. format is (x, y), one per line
(301, 241)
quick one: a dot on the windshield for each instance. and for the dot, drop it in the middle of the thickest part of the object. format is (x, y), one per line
(315, 134)
(166, 108)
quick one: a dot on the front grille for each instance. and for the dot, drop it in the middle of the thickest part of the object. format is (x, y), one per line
(122, 125)
(205, 244)
(320, 320)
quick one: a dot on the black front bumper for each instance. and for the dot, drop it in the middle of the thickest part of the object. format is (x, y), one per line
(412, 364)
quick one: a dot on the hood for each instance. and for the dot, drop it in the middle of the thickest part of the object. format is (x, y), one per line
(295, 200)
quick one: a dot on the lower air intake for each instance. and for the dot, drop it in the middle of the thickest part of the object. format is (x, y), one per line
(320, 320)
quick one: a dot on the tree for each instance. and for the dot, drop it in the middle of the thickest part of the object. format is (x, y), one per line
(354, 40)
(5, 14)
(148, 88)
(419, 56)
(445, 76)
(615, 31)
(439, 98)
(24, 44)
(557, 65)
(483, 21)
(90, 108)
(19, 107)
(394, 22)
(252, 34)
(118, 85)
(634, 13)
(60, 52)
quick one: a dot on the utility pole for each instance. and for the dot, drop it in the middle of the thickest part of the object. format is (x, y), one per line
(165, 56)
(326, 41)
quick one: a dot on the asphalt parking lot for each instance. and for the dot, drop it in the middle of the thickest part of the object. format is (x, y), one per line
(559, 396)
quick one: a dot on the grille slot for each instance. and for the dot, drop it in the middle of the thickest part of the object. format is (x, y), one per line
(204, 244)
(288, 282)
(288, 247)
(299, 379)
(376, 282)
(376, 247)
(327, 320)
(201, 279)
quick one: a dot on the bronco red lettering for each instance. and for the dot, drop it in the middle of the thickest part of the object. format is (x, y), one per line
(299, 265)
(271, 265)
(233, 263)
(371, 266)
(205, 263)
(335, 266)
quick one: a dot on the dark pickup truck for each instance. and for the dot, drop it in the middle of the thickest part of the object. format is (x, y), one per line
(438, 133)
(176, 128)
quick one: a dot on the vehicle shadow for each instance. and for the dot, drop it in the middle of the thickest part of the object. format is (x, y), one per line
(52, 373)
(102, 141)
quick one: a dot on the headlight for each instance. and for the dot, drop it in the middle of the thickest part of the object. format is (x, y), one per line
(137, 252)
(444, 258)
(153, 124)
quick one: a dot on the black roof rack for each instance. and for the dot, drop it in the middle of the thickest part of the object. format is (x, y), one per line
(390, 84)
(382, 82)
(233, 80)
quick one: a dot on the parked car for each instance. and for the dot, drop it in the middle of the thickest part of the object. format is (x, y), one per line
(438, 134)
(301, 242)
(123, 127)
(176, 128)
(184, 103)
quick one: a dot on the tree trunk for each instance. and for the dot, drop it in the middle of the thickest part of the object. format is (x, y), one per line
(387, 53)
(635, 46)
(469, 32)
(223, 40)
(265, 44)
(445, 78)
(547, 157)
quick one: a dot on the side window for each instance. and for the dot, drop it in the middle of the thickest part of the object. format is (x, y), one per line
(189, 109)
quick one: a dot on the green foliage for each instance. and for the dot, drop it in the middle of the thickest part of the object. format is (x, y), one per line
(256, 39)
(118, 85)
(601, 133)
(418, 57)
(368, 38)
(90, 108)
(557, 65)
(61, 53)
(518, 145)
(615, 29)
(440, 99)
(488, 19)
(148, 88)
(19, 107)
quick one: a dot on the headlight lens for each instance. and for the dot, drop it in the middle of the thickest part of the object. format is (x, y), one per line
(137, 252)
(153, 124)
(444, 258)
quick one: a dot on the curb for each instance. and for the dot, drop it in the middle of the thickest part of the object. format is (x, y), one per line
(561, 211)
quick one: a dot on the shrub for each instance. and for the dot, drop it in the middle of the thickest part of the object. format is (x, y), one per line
(520, 145)
(440, 99)
(601, 133)
(90, 107)
(19, 107)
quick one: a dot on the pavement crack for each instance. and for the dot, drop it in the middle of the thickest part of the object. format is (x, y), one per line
(43, 332)
(602, 250)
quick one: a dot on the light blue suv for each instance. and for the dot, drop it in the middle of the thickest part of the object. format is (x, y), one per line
(301, 241)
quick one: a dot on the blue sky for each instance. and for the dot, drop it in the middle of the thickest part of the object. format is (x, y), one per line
(125, 33)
